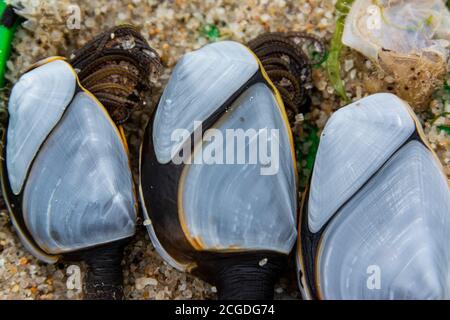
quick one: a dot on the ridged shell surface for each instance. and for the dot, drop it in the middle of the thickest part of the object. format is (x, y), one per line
(391, 240)
(355, 143)
(37, 103)
(79, 192)
(233, 206)
(200, 83)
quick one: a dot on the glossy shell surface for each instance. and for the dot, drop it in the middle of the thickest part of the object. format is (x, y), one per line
(37, 103)
(79, 192)
(379, 208)
(218, 204)
(201, 82)
(356, 141)
(234, 205)
(391, 240)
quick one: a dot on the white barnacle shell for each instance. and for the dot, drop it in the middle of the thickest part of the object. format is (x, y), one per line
(37, 103)
(391, 240)
(381, 205)
(232, 206)
(355, 142)
(224, 197)
(200, 83)
(79, 192)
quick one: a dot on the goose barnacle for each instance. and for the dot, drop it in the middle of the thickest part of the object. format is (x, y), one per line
(375, 222)
(65, 171)
(228, 224)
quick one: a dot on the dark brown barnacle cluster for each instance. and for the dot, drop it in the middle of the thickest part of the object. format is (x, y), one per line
(287, 58)
(116, 67)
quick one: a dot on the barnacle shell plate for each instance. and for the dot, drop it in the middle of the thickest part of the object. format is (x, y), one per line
(233, 206)
(407, 42)
(406, 27)
(396, 228)
(79, 192)
(201, 82)
(37, 103)
(356, 140)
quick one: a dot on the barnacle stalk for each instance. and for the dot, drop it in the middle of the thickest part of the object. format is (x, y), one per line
(104, 278)
(287, 58)
(116, 66)
(244, 276)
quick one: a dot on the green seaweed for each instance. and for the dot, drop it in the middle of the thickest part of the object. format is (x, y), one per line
(310, 138)
(211, 32)
(445, 128)
(446, 85)
(333, 60)
(323, 62)
(313, 137)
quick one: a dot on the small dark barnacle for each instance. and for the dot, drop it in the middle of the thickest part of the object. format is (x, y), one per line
(287, 61)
